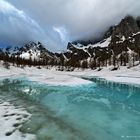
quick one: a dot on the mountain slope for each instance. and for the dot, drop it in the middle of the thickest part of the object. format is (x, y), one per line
(119, 43)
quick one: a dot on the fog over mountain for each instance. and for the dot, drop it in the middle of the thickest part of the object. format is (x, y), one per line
(54, 23)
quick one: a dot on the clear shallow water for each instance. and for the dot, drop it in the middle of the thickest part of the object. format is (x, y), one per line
(98, 111)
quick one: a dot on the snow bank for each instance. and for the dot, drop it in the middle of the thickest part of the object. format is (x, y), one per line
(122, 75)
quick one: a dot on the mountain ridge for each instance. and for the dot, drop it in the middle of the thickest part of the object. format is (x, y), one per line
(119, 43)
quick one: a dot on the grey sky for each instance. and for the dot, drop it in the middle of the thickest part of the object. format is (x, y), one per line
(55, 22)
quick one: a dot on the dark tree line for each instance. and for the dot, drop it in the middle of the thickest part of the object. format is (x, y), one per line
(122, 59)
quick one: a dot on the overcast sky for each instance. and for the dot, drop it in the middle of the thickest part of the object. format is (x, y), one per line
(56, 22)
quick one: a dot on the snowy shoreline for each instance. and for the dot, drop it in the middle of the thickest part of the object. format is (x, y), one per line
(122, 75)
(64, 78)
(43, 75)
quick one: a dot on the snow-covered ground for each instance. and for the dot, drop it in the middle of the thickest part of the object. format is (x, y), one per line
(53, 77)
(122, 75)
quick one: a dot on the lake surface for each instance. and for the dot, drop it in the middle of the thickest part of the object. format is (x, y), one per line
(98, 111)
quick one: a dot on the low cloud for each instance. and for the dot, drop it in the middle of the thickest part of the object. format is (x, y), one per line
(74, 19)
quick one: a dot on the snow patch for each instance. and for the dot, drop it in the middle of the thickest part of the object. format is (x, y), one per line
(102, 44)
(11, 119)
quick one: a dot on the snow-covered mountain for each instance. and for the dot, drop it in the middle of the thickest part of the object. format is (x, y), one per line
(119, 45)
(30, 51)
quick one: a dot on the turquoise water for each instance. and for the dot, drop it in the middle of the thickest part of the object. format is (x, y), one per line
(98, 111)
